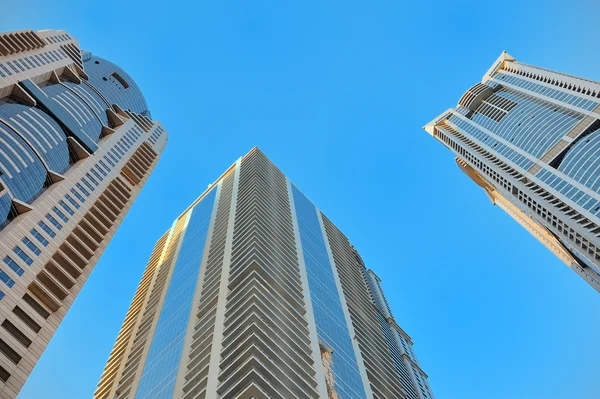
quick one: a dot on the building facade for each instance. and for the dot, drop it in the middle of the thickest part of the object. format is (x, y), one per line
(76, 146)
(254, 293)
(531, 138)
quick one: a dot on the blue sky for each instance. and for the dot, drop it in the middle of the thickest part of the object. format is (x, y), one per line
(336, 93)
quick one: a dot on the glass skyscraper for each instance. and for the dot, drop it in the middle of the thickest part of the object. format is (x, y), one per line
(531, 138)
(254, 293)
(76, 146)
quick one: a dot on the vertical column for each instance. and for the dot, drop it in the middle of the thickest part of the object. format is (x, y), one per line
(166, 350)
(215, 356)
(193, 319)
(192, 381)
(357, 352)
(310, 316)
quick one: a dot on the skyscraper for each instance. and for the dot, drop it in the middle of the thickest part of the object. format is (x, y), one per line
(530, 138)
(76, 146)
(254, 293)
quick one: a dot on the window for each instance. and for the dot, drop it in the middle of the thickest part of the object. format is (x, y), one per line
(47, 229)
(5, 69)
(9, 352)
(54, 221)
(87, 184)
(39, 237)
(36, 306)
(66, 207)
(105, 168)
(72, 201)
(25, 318)
(92, 179)
(21, 254)
(12, 67)
(97, 174)
(60, 214)
(13, 265)
(19, 63)
(120, 79)
(7, 280)
(15, 332)
(79, 197)
(2, 294)
(28, 62)
(83, 190)
(31, 246)
(109, 161)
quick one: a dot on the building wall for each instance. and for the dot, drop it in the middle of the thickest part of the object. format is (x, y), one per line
(530, 136)
(71, 165)
(276, 310)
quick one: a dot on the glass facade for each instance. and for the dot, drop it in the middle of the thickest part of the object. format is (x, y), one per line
(330, 320)
(108, 79)
(532, 135)
(41, 132)
(530, 128)
(77, 109)
(33, 140)
(162, 364)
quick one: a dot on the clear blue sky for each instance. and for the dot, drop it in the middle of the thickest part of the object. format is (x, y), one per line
(336, 93)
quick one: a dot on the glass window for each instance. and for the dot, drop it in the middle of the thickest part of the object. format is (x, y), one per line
(92, 179)
(7, 280)
(13, 265)
(39, 237)
(83, 190)
(72, 201)
(66, 207)
(109, 162)
(95, 173)
(21, 254)
(12, 67)
(79, 196)
(9, 73)
(102, 170)
(54, 221)
(60, 214)
(31, 246)
(47, 229)
(87, 184)
(160, 371)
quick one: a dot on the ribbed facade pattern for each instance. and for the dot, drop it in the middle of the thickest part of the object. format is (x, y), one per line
(280, 300)
(202, 343)
(71, 164)
(265, 344)
(530, 138)
(387, 377)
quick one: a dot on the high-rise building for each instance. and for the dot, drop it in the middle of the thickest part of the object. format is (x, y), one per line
(254, 293)
(530, 137)
(76, 146)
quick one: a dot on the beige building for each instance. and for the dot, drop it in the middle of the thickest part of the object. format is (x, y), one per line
(76, 146)
(254, 293)
(531, 138)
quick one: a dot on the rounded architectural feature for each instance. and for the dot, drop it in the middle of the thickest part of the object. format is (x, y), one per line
(115, 85)
(41, 133)
(22, 171)
(77, 109)
(582, 161)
